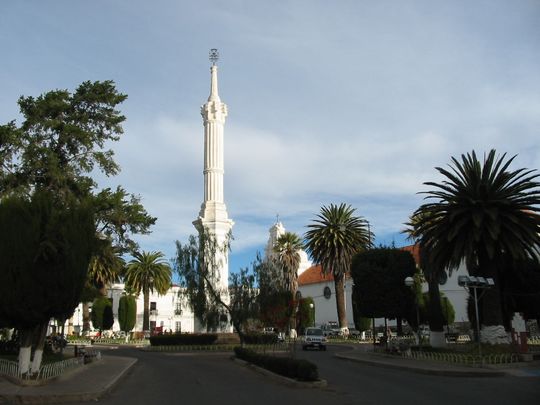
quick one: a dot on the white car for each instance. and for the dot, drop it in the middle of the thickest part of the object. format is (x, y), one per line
(314, 337)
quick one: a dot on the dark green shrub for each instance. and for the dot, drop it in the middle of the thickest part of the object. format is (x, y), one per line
(181, 339)
(303, 370)
(127, 312)
(98, 310)
(260, 338)
(108, 317)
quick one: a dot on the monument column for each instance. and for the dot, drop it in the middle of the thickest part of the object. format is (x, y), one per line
(213, 216)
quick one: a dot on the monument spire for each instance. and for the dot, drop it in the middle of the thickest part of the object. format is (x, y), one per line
(213, 217)
(214, 57)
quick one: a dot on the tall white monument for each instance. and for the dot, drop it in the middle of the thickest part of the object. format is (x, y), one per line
(213, 216)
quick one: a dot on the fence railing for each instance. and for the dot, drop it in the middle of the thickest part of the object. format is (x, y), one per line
(9, 368)
(49, 370)
(465, 359)
(57, 368)
(111, 341)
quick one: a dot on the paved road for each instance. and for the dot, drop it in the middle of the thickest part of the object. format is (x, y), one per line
(367, 384)
(214, 378)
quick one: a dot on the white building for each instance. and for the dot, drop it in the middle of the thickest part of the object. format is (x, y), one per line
(167, 312)
(312, 283)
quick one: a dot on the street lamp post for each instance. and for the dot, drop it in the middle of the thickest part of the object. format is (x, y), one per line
(311, 308)
(409, 282)
(474, 283)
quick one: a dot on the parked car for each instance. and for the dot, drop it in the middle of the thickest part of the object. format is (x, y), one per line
(354, 333)
(331, 329)
(314, 337)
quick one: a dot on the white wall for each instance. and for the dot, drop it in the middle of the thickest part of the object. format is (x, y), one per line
(165, 309)
(325, 309)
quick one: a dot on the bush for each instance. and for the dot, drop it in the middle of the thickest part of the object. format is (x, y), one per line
(181, 339)
(260, 338)
(298, 369)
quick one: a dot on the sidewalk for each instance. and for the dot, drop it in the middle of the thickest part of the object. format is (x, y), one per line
(84, 384)
(531, 369)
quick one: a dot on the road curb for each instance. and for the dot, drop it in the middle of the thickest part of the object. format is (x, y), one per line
(425, 370)
(279, 378)
(55, 398)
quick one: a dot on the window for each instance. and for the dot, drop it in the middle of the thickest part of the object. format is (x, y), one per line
(152, 325)
(153, 306)
(327, 292)
(178, 326)
(178, 308)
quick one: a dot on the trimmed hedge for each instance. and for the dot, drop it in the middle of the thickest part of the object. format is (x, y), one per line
(260, 338)
(182, 339)
(298, 369)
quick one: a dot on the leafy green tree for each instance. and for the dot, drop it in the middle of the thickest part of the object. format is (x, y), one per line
(275, 300)
(478, 213)
(98, 311)
(306, 313)
(243, 299)
(127, 313)
(148, 272)
(379, 284)
(434, 274)
(45, 249)
(119, 215)
(108, 317)
(197, 264)
(61, 140)
(288, 248)
(332, 240)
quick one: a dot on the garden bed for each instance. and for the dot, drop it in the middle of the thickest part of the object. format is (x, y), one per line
(298, 369)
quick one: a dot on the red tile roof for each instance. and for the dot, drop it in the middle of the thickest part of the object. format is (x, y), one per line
(415, 251)
(313, 275)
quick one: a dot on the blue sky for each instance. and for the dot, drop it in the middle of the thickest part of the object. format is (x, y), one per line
(342, 101)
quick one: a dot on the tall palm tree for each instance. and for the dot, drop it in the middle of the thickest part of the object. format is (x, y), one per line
(480, 213)
(148, 272)
(288, 248)
(332, 240)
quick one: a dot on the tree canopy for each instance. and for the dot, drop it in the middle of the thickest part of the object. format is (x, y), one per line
(379, 283)
(480, 212)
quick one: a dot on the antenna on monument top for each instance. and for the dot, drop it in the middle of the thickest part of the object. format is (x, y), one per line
(213, 55)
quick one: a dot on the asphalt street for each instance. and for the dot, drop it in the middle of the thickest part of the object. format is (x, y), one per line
(210, 378)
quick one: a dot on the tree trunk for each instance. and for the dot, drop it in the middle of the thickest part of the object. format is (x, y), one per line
(295, 305)
(399, 326)
(25, 350)
(38, 351)
(86, 316)
(492, 328)
(339, 283)
(146, 312)
(435, 312)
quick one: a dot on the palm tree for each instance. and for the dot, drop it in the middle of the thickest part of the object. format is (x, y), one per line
(332, 240)
(480, 213)
(288, 248)
(105, 268)
(148, 272)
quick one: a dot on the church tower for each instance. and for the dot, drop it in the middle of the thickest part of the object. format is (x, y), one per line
(213, 216)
